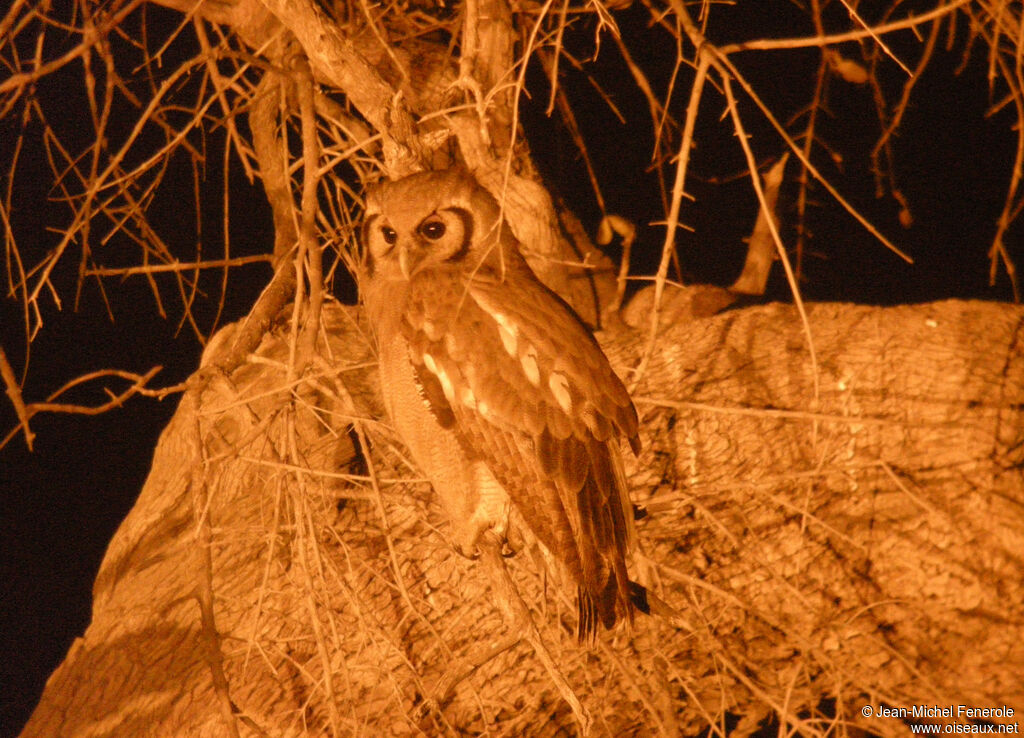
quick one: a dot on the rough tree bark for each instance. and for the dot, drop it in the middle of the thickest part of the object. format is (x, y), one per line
(829, 539)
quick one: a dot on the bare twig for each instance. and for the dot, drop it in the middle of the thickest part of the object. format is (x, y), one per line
(761, 247)
(942, 9)
(766, 207)
(668, 248)
(178, 266)
(13, 390)
(26, 413)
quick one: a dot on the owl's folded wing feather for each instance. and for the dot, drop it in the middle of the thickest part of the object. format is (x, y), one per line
(530, 391)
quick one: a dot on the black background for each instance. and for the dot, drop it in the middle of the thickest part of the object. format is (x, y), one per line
(62, 503)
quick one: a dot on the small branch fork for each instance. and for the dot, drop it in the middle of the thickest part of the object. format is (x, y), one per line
(27, 411)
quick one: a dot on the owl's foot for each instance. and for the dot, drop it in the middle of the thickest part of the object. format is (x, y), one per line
(473, 553)
(481, 531)
(507, 545)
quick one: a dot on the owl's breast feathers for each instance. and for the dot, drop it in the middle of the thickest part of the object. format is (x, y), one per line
(508, 368)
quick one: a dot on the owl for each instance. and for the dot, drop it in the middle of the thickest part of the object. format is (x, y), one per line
(500, 392)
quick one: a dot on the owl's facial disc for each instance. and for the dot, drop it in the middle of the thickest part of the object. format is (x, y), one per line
(411, 242)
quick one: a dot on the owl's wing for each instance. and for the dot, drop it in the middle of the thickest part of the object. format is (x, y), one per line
(511, 369)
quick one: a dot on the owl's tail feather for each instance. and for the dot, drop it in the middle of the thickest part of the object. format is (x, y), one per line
(586, 622)
(608, 608)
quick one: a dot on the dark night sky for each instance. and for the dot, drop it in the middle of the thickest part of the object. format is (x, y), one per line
(62, 504)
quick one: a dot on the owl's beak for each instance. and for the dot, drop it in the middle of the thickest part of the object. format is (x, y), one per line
(405, 261)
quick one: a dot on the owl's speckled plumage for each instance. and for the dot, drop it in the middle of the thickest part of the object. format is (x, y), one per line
(500, 392)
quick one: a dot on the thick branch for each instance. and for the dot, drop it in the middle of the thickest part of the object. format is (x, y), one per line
(336, 61)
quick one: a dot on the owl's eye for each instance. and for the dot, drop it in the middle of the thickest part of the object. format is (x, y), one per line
(390, 235)
(433, 229)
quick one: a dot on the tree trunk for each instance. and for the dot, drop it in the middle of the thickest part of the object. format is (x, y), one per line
(829, 537)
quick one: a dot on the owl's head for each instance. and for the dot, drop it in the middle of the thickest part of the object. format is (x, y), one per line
(428, 220)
